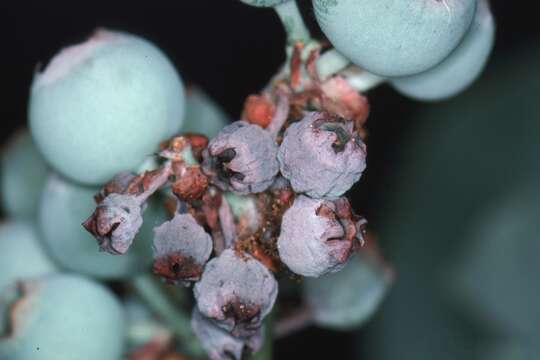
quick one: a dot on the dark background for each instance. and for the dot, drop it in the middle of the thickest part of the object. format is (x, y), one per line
(230, 50)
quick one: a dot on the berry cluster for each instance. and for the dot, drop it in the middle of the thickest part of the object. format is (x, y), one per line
(228, 209)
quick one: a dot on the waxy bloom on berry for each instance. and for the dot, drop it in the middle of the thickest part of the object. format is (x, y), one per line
(322, 156)
(318, 236)
(181, 248)
(236, 292)
(242, 158)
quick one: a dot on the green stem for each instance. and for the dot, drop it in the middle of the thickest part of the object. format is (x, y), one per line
(178, 321)
(292, 21)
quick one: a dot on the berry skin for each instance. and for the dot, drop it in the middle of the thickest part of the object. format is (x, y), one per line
(242, 158)
(264, 3)
(221, 345)
(348, 298)
(181, 248)
(22, 176)
(61, 317)
(318, 235)
(236, 292)
(116, 94)
(395, 37)
(460, 68)
(321, 156)
(118, 221)
(21, 254)
(64, 205)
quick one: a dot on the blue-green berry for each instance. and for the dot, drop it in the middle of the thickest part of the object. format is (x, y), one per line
(22, 175)
(21, 253)
(395, 37)
(264, 3)
(64, 206)
(102, 106)
(460, 68)
(350, 297)
(61, 317)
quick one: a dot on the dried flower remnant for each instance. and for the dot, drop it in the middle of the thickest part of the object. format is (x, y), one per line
(118, 216)
(118, 185)
(321, 155)
(220, 344)
(236, 292)
(258, 110)
(181, 248)
(242, 158)
(318, 236)
(115, 223)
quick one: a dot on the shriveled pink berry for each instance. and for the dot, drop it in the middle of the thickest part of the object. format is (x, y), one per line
(318, 235)
(236, 291)
(242, 158)
(321, 155)
(220, 344)
(115, 222)
(181, 248)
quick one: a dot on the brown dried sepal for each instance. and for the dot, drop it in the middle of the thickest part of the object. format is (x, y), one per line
(98, 228)
(198, 143)
(262, 244)
(258, 110)
(340, 98)
(145, 181)
(241, 312)
(191, 184)
(175, 267)
(116, 185)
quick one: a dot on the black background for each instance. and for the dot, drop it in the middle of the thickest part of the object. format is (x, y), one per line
(230, 50)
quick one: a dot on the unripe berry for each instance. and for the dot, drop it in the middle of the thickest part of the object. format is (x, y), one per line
(348, 298)
(181, 248)
(236, 292)
(64, 206)
(22, 176)
(102, 106)
(242, 158)
(264, 3)
(395, 37)
(318, 236)
(21, 254)
(460, 68)
(321, 156)
(61, 317)
(220, 344)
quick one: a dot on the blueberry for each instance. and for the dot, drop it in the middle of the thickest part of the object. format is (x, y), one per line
(220, 344)
(460, 68)
(321, 155)
(61, 317)
(236, 292)
(100, 107)
(22, 176)
(318, 236)
(241, 158)
(395, 37)
(21, 253)
(348, 298)
(181, 248)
